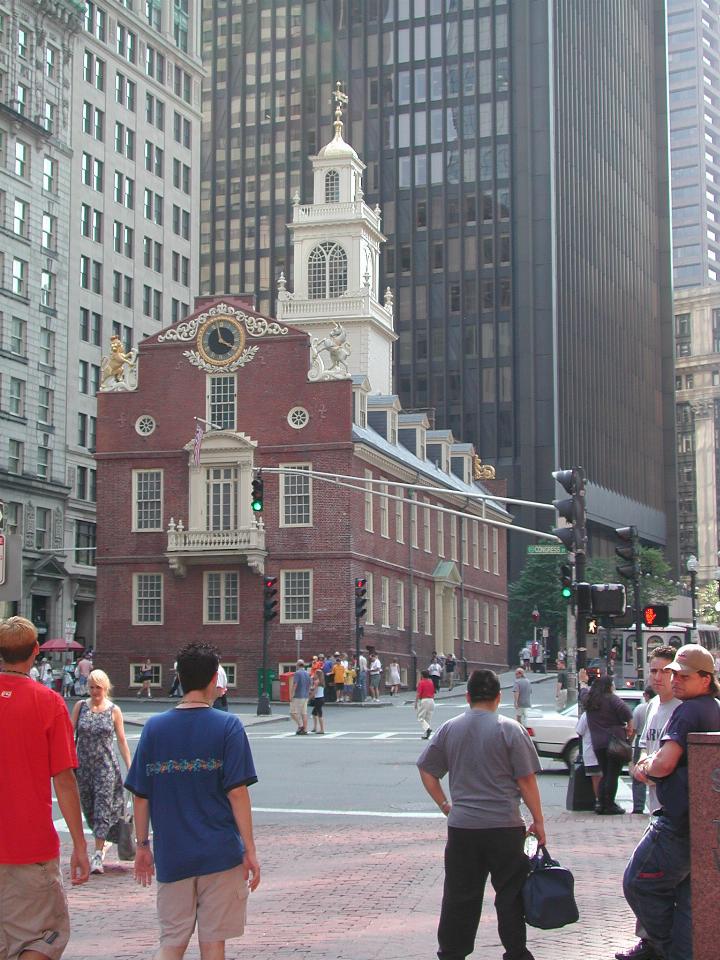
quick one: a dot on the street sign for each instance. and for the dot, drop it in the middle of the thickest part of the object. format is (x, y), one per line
(298, 634)
(70, 628)
(546, 550)
(2, 558)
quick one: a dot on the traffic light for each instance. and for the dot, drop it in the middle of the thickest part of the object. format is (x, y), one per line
(574, 536)
(657, 615)
(583, 597)
(269, 601)
(2, 516)
(360, 597)
(629, 552)
(256, 500)
(566, 580)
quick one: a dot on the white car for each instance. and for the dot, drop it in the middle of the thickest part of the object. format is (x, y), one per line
(554, 734)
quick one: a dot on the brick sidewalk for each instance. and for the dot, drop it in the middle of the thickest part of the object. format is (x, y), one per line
(346, 889)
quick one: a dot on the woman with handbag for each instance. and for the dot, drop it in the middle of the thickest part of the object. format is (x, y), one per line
(97, 722)
(317, 698)
(610, 723)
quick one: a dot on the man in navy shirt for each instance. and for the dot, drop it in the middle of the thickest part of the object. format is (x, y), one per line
(657, 878)
(190, 778)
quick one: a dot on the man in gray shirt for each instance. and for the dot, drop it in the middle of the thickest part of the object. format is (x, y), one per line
(299, 697)
(492, 765)
(522, 696)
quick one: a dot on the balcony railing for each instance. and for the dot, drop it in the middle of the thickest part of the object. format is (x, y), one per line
(201, 546)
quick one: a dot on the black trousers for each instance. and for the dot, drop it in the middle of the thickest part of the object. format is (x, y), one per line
(470, 857)
(611, 769)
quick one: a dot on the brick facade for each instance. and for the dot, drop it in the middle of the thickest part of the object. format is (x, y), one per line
(335, 547)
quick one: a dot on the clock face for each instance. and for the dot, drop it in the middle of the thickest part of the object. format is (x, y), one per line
(221, 340)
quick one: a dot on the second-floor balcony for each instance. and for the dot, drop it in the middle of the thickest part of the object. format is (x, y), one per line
(244, 545)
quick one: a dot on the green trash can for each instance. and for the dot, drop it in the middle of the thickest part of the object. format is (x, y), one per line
(270, 675)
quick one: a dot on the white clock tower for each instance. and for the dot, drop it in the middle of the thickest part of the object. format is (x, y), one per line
(336, 246)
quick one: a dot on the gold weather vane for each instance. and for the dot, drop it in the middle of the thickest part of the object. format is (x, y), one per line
(341, 99)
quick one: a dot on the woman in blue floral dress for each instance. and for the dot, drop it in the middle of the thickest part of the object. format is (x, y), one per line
(97, 721)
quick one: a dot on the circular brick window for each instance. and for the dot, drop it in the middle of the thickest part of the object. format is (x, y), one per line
(298, 418)
(145, 425)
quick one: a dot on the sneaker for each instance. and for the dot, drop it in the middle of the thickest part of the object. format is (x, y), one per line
(613, 810)
(303, 733)
(96, 864)
(643, 950)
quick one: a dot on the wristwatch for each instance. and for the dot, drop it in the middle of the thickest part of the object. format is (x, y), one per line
(143, 843)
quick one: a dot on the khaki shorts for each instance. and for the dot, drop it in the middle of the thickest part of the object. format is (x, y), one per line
(298, 708)
(217, 902)
(33, 910)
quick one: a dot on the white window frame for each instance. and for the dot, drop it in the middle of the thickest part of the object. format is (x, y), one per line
(464, 541)
(495, 552)
(368, 502)
(287, 496)
(136, 621)
(285, 576)
(427, 538)
(223, 574)
(476, 619)
(476, 544)
(496, 624)
(213, 405)
(427, 611)
(453, 538)
(414, 523)
(384, 511)
(231, 673)
(136, 669)
(399, 515)
(466, 617)
(370, 612)
(486, 548)
(384, 601)
(441, 533)
(415, 611)
(486, 621)
(135, 501)
(400, 605)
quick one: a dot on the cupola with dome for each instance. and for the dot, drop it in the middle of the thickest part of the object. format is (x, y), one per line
(336, 261)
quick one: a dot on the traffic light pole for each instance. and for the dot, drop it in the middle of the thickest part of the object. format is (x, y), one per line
(263, 707)
(357, 694)
(580, 622)
(638, 632)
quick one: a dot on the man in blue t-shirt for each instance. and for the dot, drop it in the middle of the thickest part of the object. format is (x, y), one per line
(657, 878)
(190, 778)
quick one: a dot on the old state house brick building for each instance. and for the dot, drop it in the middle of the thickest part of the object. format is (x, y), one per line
(181, 554)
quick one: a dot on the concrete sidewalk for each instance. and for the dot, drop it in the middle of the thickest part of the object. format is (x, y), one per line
(340, 888)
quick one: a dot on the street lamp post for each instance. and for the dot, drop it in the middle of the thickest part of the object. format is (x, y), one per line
(692, 567)
(717, 578)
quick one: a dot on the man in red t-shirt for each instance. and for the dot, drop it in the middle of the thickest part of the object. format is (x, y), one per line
(425, 702)
(36, 746)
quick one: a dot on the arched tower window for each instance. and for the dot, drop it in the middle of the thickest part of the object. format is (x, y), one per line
(332, 186)
(327, 272)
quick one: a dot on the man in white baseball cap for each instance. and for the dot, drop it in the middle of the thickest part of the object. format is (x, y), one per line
(657, 878)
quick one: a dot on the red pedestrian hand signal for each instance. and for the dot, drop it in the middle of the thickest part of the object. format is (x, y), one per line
(656, 615)
(650, 616)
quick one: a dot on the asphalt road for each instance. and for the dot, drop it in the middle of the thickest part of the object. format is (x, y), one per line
(365, 765)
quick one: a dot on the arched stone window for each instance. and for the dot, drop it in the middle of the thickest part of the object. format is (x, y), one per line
(327, 272)
(332, 186)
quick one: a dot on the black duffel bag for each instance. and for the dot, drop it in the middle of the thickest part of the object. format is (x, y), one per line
(549, 893)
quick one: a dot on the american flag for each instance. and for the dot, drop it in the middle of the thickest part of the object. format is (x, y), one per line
(197, 443)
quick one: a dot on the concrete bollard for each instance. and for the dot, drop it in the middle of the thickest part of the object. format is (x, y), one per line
(704, 774)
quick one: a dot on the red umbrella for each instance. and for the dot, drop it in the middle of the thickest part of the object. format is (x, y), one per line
(61, 644)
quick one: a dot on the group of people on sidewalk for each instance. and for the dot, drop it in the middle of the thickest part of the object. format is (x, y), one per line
(193, 820)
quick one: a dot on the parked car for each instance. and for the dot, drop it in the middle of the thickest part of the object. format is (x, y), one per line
(554, 734)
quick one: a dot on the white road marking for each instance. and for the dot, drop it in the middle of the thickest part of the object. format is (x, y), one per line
(395, 815)
(384, 736)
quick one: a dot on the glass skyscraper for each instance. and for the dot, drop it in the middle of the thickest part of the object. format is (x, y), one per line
(516, 151)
